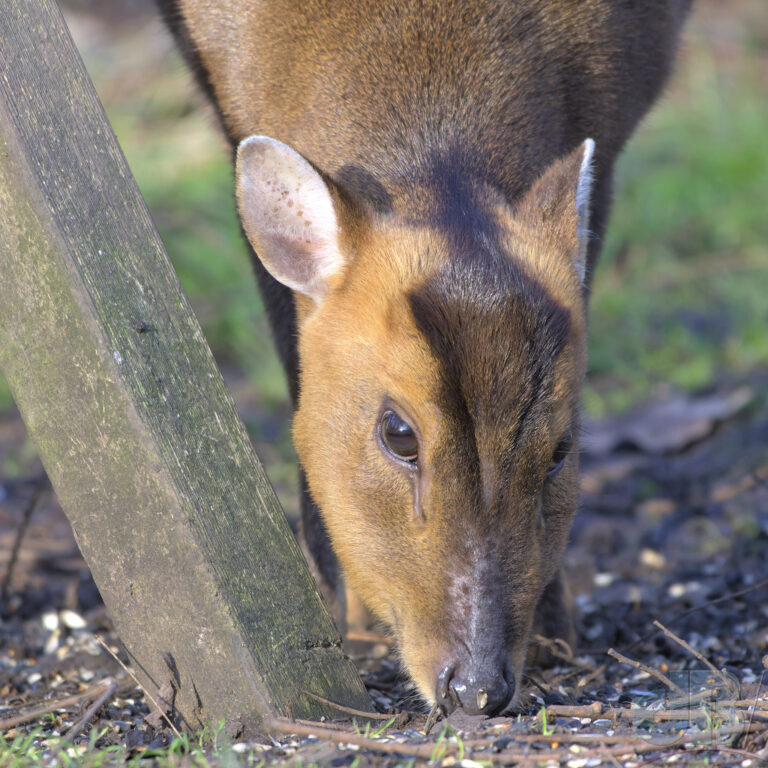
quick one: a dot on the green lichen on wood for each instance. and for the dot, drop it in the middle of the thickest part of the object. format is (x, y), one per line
(119, 390)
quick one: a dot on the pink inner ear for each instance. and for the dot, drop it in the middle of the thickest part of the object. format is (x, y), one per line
(288, 215)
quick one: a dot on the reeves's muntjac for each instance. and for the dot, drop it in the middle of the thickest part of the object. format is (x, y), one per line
(425, 184)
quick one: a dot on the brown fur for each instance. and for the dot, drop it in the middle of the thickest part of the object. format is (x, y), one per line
(448, 133)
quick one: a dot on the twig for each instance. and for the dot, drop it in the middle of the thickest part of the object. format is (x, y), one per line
(83, 721)
(729, 751)
(595, 709)
(348, 710)
(710, 695)
(604, 751)
(93, 709)
(332, 726)
(538, 683)
(129, 671)
(747, 703)
(625, 744)
(290, 727)
(560, 649)
(52, 706)
(679, 640)
(432, 718)
(41, 485)
(700, 607)
(367, 636)
(630, 745)
(759, 688)
(591, 676)
(649, 670)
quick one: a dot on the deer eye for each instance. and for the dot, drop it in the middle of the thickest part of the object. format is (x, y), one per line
(560, 455)
(398, 437)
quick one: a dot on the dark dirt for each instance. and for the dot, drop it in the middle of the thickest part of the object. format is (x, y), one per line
(673, 526)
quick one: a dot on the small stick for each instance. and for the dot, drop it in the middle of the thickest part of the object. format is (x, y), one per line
(541, 686)
(643, 668)
(591, 676)
(312, 723)
(729, 751)
(700, 607)
(40, 486)
(165, 717)
(367, 636)
(559, 649)
(84, 720)
(595, 709)
(93, 709)
(747, 703)
(710, 695)
(349, 710)
(52, 706)
(432, 718)
(679, 640)
(606, 753)
(759, 688)
(290, 727)
(625, 744)
(633, 745)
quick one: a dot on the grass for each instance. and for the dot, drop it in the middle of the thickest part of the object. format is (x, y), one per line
(680, 295)
(38, 748)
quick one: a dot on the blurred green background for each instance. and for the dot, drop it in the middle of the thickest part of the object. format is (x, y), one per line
(681, 294)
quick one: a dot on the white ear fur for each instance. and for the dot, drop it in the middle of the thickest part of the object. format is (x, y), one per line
(583, 196)
(288, 215)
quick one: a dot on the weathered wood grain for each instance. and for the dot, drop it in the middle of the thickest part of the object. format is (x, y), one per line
(120, 393)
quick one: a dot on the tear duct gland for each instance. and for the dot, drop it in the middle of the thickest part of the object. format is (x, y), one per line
(419, 183)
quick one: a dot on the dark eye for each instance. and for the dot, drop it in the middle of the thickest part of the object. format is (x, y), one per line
(559, 456)
(398, 437)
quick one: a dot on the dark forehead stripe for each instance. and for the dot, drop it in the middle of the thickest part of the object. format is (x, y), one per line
(496, 334)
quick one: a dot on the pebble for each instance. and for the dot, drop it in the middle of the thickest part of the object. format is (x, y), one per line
(72, 620)
(51, 621)
(650, 558)
(53, 642)
(676, 590)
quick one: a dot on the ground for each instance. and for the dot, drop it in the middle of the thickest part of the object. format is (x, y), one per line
(673, 520)
(673, 527)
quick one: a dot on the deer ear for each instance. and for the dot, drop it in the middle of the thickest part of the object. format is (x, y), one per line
(288, 215)
(558, 203)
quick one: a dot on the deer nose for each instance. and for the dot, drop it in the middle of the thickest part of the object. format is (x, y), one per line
(483, 691)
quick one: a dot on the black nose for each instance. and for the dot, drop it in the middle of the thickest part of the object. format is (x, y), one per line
(483, 691)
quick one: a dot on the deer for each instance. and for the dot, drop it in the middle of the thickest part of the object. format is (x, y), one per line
(425, 185)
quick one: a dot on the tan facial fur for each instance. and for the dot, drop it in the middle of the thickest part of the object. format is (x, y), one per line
(440, 150)
(413, 548)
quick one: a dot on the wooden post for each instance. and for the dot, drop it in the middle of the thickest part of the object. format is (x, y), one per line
(120, 393)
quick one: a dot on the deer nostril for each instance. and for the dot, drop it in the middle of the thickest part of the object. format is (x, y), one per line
(484, 692)
(480, 692)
